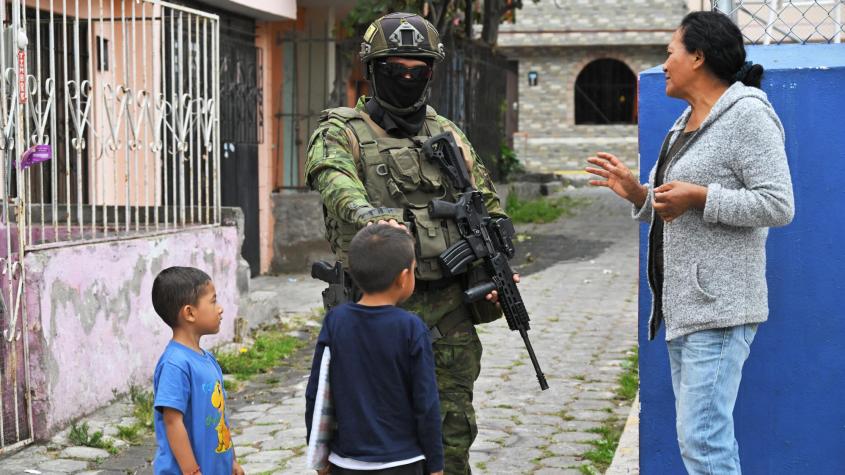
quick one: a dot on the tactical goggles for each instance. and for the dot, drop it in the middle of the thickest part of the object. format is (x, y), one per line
(400, 71)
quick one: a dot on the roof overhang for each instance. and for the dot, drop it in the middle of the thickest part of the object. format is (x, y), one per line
(267, 10)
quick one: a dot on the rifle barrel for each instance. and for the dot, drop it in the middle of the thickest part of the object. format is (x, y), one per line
(541, 378)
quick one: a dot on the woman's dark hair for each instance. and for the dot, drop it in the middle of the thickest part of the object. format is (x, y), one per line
(719, 39)
(378, 254)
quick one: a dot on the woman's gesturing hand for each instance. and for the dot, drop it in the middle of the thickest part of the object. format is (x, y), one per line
(618, 178)
(675, 198)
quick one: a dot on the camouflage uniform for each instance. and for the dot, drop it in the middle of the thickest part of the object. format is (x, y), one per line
(333, 171)
(365, 175)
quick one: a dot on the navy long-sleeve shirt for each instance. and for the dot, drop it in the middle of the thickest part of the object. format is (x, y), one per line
(383, 386)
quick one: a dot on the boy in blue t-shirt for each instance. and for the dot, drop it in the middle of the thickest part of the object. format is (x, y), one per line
(190, 418)
(381, 372)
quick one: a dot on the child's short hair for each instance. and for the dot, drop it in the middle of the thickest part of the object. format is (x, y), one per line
(176, 287)
(378, 254)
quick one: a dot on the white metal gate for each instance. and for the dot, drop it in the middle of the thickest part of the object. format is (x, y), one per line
(109, 129)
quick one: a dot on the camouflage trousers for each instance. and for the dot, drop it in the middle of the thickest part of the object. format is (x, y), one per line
(457, 360)
(457, 364)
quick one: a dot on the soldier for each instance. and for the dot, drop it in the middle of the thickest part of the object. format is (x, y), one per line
(367, 164)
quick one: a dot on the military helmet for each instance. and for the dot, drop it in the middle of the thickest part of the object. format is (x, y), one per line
(402, 34)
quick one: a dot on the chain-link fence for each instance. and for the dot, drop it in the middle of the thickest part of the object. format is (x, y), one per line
(786, 21)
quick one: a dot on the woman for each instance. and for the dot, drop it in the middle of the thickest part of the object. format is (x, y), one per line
(721, 181)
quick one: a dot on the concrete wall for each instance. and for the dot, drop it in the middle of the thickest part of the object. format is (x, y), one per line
(299, 237)
(93, 331)
(789, 415)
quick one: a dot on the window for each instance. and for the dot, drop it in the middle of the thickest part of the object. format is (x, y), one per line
(606, 93)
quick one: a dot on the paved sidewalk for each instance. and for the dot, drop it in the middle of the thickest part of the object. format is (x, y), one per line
(583, 323)
(580, 286)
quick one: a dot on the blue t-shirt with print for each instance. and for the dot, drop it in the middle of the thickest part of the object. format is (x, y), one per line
(192, 383)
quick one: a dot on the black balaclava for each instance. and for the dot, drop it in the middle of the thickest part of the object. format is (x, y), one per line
(399, 104)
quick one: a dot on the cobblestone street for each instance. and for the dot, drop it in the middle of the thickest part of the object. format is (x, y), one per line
(581, 295)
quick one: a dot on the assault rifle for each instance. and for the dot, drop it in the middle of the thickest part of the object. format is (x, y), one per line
(341, 288)
(485, 238)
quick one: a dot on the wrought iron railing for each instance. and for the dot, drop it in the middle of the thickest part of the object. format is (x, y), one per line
(112, 110)
(109, 129)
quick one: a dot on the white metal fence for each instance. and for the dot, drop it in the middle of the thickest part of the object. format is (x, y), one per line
(109, 128)
(786, 21)
(122, 98)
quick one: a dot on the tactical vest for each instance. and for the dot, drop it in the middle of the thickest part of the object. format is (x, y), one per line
(396, 174)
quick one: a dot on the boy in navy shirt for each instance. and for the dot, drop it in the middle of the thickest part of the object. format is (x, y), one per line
(381, 373)
(190, 418)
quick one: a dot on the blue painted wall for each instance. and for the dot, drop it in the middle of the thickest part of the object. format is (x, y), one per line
(790, 416)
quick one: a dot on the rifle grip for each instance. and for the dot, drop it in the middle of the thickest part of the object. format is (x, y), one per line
(322, 270)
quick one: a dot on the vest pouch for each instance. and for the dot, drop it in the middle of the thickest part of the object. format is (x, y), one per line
(431, 176)
(431, 241)
(403, 168)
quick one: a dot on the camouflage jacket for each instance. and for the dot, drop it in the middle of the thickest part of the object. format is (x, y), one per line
(332, 170)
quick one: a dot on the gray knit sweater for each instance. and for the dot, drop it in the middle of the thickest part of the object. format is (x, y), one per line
(715, 259)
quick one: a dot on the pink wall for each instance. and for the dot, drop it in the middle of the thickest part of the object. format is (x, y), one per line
(93, 329)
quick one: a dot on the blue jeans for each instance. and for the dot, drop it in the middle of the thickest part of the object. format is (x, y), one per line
(706, 371)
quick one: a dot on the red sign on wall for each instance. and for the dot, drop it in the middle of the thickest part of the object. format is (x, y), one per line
(22, 76)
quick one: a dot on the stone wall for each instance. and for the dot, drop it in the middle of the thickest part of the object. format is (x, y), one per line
(544, 108)
(569, 153)
(548, 139)
(593, 22)
(557, 39)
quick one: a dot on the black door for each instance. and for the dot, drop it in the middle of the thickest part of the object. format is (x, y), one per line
(240, 126)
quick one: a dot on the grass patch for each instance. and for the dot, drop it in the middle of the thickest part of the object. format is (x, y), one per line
(611, 429)
(481, 466)
(142, 406)
(588, 470)
(539, 211)
(230, 386)
(142, 411)
(79, 435)
(603, 449)
(269, 349)
(131, 434)
(629, 380)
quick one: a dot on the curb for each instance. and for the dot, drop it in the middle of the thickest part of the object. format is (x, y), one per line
(626, 460)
